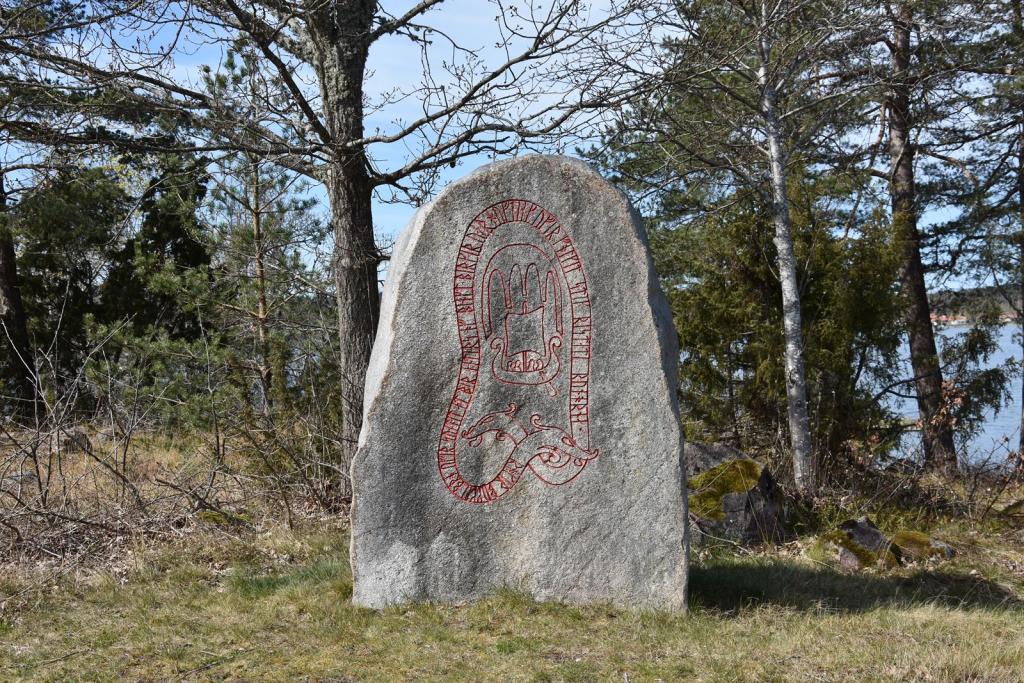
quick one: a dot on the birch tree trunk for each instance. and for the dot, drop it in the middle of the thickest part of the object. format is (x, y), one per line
(937, 434)
(804, 462)
(1018, 32)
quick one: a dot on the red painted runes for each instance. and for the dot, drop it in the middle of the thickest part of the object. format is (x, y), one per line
(523, 385)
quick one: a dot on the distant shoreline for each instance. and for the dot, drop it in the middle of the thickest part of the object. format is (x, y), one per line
(966, 306)
(963, 320)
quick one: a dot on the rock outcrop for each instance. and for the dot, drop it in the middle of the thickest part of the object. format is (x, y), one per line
(733, 497)
(858, 544)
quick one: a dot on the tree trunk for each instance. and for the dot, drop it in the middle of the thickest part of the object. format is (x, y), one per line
(804, 462)
(262, 336)
(340, 36)
(1018, 32)
(13, 323)
(805, 472)
(937, 433)
(1020, 270)
(355, 279)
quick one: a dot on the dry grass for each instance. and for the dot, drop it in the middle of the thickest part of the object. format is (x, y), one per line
(274, 605)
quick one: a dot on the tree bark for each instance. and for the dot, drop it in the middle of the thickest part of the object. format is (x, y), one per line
(1020, 270)
(262, 335)
(805, 468)
(1018, 32)
(340, 32)
(355, 262)
(14, 330)
(804, 462)
(937, 433)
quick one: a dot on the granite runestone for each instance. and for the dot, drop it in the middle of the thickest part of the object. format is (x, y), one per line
(521, 427)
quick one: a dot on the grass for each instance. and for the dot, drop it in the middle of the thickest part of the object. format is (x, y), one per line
(276, 606)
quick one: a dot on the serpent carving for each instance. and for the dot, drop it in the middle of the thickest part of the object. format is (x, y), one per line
(523, 314)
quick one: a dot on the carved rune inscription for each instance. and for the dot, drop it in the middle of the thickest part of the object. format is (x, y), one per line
(524, 322)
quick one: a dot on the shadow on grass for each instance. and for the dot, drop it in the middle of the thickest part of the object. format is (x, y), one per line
(731, 584)
(723, 583)
(255, 585)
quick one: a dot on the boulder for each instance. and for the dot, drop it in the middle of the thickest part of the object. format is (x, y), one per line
(733, 497)
(521, 426)
(855, 544)
(859, 544)
(701, 457)
(865, 534)
(74, 440)
(915, 546)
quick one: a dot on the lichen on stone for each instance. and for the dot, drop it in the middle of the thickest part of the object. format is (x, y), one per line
(840, 542)
(920, 546)
(734, 476)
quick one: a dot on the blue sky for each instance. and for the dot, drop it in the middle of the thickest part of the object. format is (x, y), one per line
(395, 62)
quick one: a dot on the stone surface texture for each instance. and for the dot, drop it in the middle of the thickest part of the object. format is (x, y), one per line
(856, 544)
(864, 533)
(701, 457)
(732, 497)
(521, 426)
(915, 546)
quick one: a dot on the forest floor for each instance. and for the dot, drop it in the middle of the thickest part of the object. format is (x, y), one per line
(274, 605)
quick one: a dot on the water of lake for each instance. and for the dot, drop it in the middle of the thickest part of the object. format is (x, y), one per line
(1001, 431)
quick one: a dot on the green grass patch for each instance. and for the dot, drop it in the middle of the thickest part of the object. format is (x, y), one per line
(252, 584)
(277, 607)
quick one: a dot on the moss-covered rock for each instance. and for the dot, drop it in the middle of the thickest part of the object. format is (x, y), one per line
(914, 545)
(701, 457)
(222, 518)
(710, 487)
(736, 499)
(855, 544)
(1014, 510)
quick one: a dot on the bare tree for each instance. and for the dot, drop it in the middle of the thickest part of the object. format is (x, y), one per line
(104, 74)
